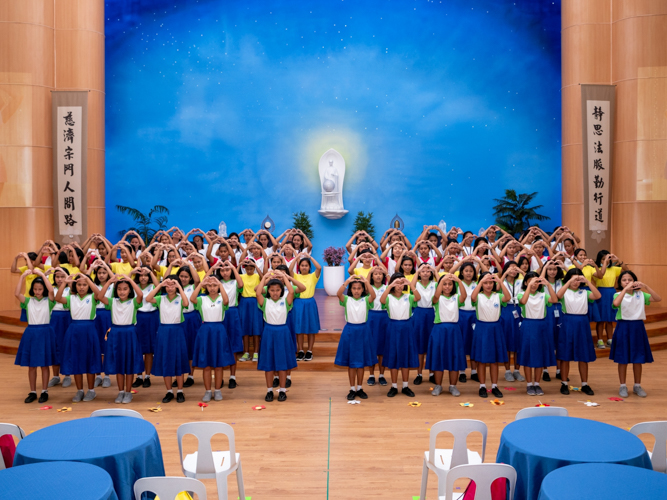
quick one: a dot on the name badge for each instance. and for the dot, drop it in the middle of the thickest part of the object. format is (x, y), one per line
(515, 313)
(556, 313)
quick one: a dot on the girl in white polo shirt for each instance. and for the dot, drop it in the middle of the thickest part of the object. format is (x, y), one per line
(60, 321)
(378, 322)
(425, 281)
(148, 322)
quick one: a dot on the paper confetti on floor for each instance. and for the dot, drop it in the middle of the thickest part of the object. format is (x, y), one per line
(497, 402)
(510, 388)
(354, 402)
(64, 409)
(259, 407)
(155, 409)
(590, 403)
(577, 389)
(467, 405)
(615, 399)
(46, 407)
(202, 406)
(414, 404)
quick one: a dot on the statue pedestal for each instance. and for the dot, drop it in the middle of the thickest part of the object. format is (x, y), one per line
(332, 214)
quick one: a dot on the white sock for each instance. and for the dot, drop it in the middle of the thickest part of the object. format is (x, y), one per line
(463, 372)
(530, 384)
(170, 390)
(472, 372)
(275, 377)
(545, 371)
(44, 390)
(33, 392)
(353, 388)
(269, 389)
(121, 392)
(140, 377)
(450, 386)
(209, 392)
(557, 371)
(405, 384)
(147, 376)
(358, 387)
(493, 386)
(623, 385)
(482, 385)
(282, 389)
(563, 383)
(584, 383)
(394, 386)
(381, 376)
(190, 376)
(232, 377)
(289, 377)
(636, 385)
(179, 391)
(92, 390)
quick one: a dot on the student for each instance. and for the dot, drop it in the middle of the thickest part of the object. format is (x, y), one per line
(510, 317)
(300, 242)
(213, 348)
(609, 269)
(589, 269)
(355, 345)
(122, 351)
(191, 318)
(232, 284)
(467, 317)
(406, 265)
(400, 351)
(535, 343)
(630, 340)
(367, 260)
(60, 321)
(424, 281)
(277, 347)
(101, 274)
(127, 258)
(171, 350)
(306, 317)
(251, 317)
(488, 339)
(574, 339)
(31, 261)
(81, 349)
(38, 342)
(378, 322)
(553, 273)
(445, 345)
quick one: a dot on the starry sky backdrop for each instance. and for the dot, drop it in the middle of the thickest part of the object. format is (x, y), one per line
(221, 109)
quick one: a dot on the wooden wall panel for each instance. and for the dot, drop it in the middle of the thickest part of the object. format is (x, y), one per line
(573, 216)
(624, 186)
(96, 222)
(653, 276)
(22, 230)
(96, 120)
(80, 60)
(588, 12)
(8, 282)
(27, 11)
(80, 15)
(639, 232)
(95, 186)
(642, 43)
(626, 111)
(589, 58)
(622, 9)
(571, 115)
(28, 176)
(572, 185)
(26, 119)
(26, 54)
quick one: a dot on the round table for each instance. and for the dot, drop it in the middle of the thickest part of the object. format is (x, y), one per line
(538, 445)
(127, 448)
(48, 480)
(603, 482)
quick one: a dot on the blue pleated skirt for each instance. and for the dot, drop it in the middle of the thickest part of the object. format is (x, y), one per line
(146, 327)
(400, 350)
(191, 325)
(306, 317)
(234, 329)
(276, 352)
(575, 342)
(171, 351)
(378, 322)
(81, 349)
(213, 347)
(37, 347)
(553, 321)
(422, 324)
(593, 309)
(604, 304)
(510, 326)
(535, 347)
(466, 321)
(488, 343)
(290, 325)
(445, 348)
(122, 351)
(355, 347)
(252, 320)
(102, 325)
(60, 321)
(630, 343)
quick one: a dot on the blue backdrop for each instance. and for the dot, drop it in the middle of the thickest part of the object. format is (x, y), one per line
(221, 109)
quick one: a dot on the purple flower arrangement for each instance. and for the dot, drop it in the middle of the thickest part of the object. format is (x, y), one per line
(334, 256)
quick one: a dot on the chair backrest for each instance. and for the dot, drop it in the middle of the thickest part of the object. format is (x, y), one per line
(659, 431)
(116, 412)
(204, 431)
(168, 487)
(12, 430)
(542, 411)
(483, 475)
(460, 429)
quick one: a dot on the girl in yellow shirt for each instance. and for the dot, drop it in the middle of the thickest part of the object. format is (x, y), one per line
(609, 269)
(306, 317)
(252, 320)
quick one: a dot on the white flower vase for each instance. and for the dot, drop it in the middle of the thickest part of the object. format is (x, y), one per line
(334, 277)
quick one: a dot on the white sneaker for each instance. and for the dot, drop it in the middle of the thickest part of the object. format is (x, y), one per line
(207, 397)
(90, 395)
(601, 344)
(623, 392)
(436, 390)
(639, 391)
(98, 381)
(54, 382)
(609, 342)
(518, 376)
(245, 357)
(454, 391)
(508, 376)
(107, 382)
(67, 381)
(127, 398)
(217, 395)
(119, 398)
(78, 397)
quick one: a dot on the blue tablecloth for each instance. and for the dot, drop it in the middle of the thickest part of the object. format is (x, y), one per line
(49, 480)
(536, 446)
(603, 482)
(127, 448)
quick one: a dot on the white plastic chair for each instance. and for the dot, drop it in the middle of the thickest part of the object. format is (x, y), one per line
(116, 412)
(441, 461)
(483, 475)
(167, 488)
(12, 430)
(659, 431)
(542, 411)
(206, 463)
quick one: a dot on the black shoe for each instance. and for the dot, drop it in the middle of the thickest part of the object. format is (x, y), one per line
(564, 389)
(269, 396)
(392, 392)
(288, 383)
(147, 382)
(382, 381)
(232, 383)
(474, 377)
(189, 382)
(180, 397)
(276, 382)
(371, 380)
(586, 389)
(43, 397)
(300, 356)
(282, 396)
(558, 376)
(483, 393)
(168, 397)
(431, 378)
(462, 378)
(361, 394)
(309, 356)
(546, 377)
(138, 382)
(496, 392)
(31, 397)
(351, 395)
(174, 383)
(408, 392)
(417, 380)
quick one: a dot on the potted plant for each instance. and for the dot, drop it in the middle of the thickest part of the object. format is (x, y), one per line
(334, 273)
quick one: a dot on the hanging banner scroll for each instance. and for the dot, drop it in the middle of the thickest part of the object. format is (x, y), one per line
(70, 148)
(597, 106)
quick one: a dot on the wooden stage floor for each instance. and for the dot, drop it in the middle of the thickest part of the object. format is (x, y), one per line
(376, 447)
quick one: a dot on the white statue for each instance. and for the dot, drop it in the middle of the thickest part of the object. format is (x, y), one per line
(332, 175)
